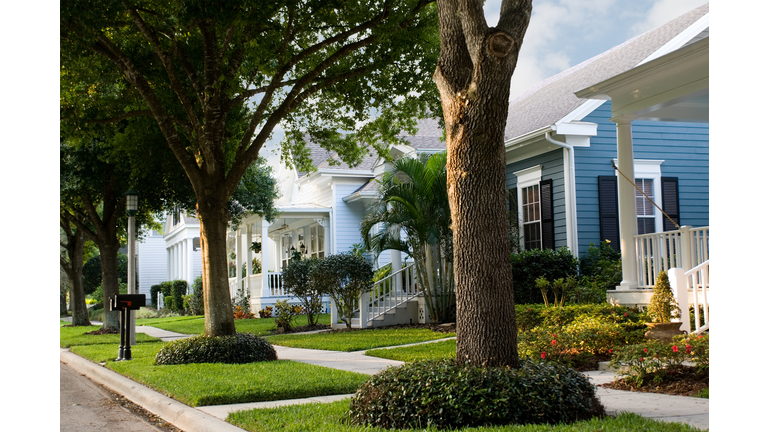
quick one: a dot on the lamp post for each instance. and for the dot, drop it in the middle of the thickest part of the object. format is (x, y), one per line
(132, 207)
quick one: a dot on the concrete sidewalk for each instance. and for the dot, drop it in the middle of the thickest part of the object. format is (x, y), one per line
(690, 410)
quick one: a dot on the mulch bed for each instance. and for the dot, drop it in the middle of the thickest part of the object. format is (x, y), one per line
(686, 382)
(102, 331)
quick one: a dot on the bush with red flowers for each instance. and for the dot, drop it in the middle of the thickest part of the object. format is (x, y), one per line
(656, 360)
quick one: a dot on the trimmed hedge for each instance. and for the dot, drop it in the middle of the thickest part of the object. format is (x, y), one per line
(548, 263)
(445, 394)
(237, 348)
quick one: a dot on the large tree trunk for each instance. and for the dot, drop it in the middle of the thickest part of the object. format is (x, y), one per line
(214, 219)
(74, 271)
(473, 77)
(109, 281)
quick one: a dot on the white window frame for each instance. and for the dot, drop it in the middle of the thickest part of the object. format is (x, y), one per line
(526, 178)
(649, 169)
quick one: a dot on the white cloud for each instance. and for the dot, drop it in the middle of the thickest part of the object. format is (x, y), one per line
(664, 11)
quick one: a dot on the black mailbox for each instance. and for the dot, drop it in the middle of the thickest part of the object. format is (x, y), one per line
(125, 303)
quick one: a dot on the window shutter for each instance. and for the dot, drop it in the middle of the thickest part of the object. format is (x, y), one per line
(609, 210)
(670, 202)
(547, 215)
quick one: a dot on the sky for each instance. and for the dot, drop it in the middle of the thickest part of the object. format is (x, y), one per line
(564, 33)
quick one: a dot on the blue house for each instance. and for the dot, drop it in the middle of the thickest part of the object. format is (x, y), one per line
(591, 153)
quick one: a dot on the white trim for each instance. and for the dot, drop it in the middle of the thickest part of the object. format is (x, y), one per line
(528, 177)
(681, 39)
(650, 169)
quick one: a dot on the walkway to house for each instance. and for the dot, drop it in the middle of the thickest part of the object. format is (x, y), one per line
(694, 411)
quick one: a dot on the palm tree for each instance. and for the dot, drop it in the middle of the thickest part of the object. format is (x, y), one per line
(414, 201)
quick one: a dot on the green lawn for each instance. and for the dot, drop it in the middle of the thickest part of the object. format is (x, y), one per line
(332, 417)
(69, 336)
(196, 324)
(218, 384)
(428, 351)
(357, 340)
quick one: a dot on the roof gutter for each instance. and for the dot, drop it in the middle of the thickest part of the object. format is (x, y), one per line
(570, 201)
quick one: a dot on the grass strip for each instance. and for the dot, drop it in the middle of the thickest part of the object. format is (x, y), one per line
(332, 417)
(69, 336)
(196, 324)
(358, 340)
(428, 351)
(218, 384)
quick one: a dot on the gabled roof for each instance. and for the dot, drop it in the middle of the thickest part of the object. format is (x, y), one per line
(329, 160)
(427, 137)
(552, 99)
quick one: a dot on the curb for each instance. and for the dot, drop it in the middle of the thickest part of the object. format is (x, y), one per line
(178, 414)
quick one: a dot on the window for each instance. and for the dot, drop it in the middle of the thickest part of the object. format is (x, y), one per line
(531, 218)
(535, 209)
(646, 212)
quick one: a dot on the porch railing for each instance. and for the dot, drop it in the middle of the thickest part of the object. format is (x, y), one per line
(693, 283)
(685, 248)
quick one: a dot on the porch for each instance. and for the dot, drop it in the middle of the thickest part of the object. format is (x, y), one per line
(684, 255)
(259, 250)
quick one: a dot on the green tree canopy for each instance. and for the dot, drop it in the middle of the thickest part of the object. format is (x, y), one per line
(219, 77)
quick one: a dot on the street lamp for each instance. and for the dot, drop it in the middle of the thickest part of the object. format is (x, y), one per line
(132, 207)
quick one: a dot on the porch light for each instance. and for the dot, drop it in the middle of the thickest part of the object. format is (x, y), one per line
(132, 205)
(293, 250)
(303, 249)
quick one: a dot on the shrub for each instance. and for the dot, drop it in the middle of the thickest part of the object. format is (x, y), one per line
(550, 264)
(237, 348)
(656, 359)
(663, 306)
(284, 313)
(298, 282)
(444, 394)
(344, 277)
(194, 301)
(241, 314)
(266, 312)
(242, 300)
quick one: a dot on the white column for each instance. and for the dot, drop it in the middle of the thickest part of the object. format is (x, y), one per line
(627, 205)
(326, 222)
(266, 251)
(248, 256)
(190, 275)
(238, 253)
(169, 262)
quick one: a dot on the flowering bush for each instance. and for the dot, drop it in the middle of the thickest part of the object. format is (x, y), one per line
(284, 315)
(657, 359)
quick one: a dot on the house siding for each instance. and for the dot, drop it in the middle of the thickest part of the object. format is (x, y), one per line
(684, 148)
(152, 261)
(347, 216)
(551, 168)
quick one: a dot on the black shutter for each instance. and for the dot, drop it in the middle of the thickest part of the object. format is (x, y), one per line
(608, 199)
(512, 205)
(547, 215)
(670, 202)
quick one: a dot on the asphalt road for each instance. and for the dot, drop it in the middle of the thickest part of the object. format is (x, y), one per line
(88, 407)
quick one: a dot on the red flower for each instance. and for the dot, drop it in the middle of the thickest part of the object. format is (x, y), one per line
(543, 355)
(688, 349)
(625, 314)
(642, 359)
(674, 348)
(528, 309)
(554, 342)
(610, 350)
(645, 350)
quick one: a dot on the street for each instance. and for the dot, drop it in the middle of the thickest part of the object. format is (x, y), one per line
(88, 407)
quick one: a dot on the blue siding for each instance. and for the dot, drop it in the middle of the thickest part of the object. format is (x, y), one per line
(551, 168)
(684, 147)
(348, 217)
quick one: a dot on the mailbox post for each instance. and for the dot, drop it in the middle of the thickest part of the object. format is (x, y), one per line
(125, 303)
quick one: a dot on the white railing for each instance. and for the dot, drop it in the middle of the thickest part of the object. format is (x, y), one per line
(236, 284)
(275, 284)
(692, 283)
(387, 294)
(685, 248)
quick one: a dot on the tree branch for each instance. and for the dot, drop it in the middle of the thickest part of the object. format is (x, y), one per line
(120, 117)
